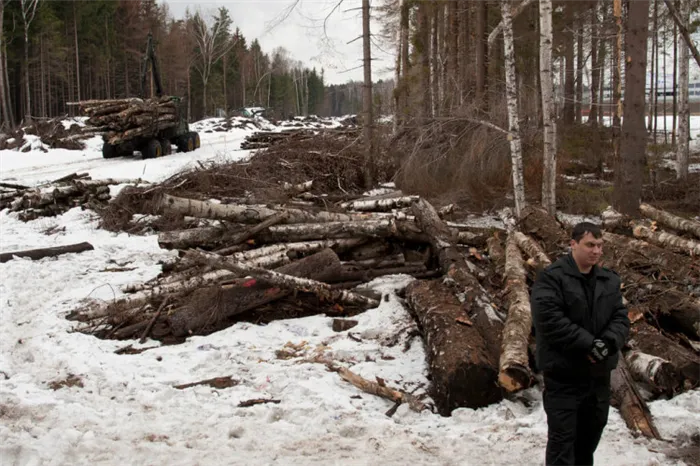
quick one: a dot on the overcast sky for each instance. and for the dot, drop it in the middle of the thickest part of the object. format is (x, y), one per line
(302, 33)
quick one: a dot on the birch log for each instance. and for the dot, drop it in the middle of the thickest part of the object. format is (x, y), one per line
(532, 249)
(626, 398)
(514, 369)
(649, 340)
(653, 371)
(211, 306)
(482, 313)
(667, 240)
(247, 213)
(380, 205)
(670, 220)
(322, 290)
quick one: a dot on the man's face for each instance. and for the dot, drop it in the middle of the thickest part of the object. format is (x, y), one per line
(587, 251)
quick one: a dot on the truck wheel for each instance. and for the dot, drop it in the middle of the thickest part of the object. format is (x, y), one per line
(167, 146)
(109, 151)
(153, 149)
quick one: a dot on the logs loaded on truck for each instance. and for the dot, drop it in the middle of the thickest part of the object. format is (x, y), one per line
(151, 126)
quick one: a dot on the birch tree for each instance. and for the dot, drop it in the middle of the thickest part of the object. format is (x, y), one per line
(549, 180)
(682, 148)
(210, 48)
(28, 10)
(367, 97)
(513, 114)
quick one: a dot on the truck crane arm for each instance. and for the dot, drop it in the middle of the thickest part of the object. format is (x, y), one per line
(150, 57)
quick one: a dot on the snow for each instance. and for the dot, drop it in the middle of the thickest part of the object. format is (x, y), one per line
(128, 412)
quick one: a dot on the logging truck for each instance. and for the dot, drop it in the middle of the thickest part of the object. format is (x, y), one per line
(157, 134)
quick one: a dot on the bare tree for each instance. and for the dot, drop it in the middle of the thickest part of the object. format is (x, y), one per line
(628, 173)
(682, 22)
(210, 50)
(682, 148)
(513, 114)
(5, 115)
(549, 180)
(28, 10)
(367, 97)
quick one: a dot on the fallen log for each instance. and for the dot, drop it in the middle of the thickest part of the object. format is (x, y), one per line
(667, 240)
(514, 368)
(442, 239)
(532, 249)
(626, 398)
(247, 213)
(536, 221)
(380, 205)
(637, 254)
(320, 289)
(670, 220)
(209, 307)
(649, 340)
(36, 254)
(463, 373)
(654, 372)
(379, 389)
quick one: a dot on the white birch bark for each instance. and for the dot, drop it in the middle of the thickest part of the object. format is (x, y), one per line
(549, 179)
(682, 147)
(513, 115)
(670, 220)
(668, 240)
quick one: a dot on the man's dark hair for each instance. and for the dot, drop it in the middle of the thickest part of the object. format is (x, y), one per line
(580, 230)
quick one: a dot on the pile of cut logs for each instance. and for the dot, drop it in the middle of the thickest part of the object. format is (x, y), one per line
(471, 308)
(120, 120)
(55, 198)
(264, 139)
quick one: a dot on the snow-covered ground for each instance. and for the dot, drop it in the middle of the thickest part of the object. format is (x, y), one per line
(125, 410)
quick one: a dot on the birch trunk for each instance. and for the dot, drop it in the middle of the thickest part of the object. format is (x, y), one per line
(653, 371)
(367, 116)
(513, 115)
(247, 213)
(617, 81)
(683, 146)
(670, 220)
(532, 249)
(514, 369)
(626, 398)
(549, 179)
(668, 241)
(321, 289)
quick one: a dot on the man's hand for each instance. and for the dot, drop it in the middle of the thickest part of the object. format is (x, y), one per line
(599, 351)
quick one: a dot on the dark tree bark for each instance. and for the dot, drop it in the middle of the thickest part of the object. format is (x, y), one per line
(368, 120)
(569, 81)
(481, 52)
(629, 173)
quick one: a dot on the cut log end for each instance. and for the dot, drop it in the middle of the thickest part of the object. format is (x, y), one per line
(515, 378)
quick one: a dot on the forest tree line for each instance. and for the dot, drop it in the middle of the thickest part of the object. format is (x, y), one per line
(54, 52)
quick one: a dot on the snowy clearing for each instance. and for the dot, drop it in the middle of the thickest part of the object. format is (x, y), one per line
(123, 409)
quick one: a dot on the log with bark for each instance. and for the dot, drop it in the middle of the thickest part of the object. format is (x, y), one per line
(481, 310)
(463, 372)
(514, 368)
(649, 340)
(626, 398)
(654, 372)
(536, 221)
(210, 306)
(36, 254)
(123, 119)
(670, 220)
(667, 240)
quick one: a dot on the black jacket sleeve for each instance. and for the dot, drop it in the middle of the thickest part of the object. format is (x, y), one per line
(550, 321)
(615, 333)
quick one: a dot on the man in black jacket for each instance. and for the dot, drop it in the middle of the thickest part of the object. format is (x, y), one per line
(581, 325)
